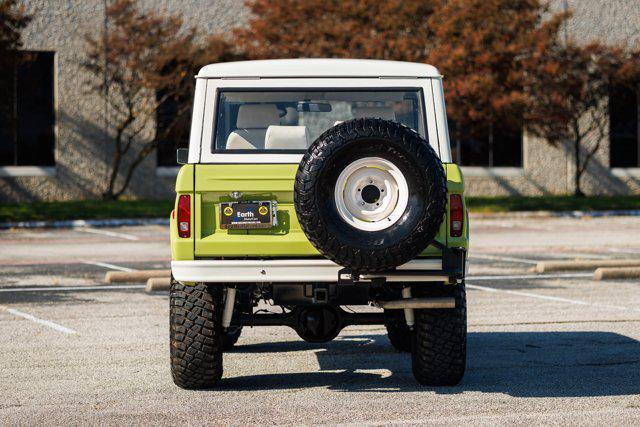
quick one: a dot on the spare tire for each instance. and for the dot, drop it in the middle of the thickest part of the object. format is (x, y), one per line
(370, 194)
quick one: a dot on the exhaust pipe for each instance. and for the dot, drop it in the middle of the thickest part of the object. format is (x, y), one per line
(229, 303)
(417, 303)
(408, 312)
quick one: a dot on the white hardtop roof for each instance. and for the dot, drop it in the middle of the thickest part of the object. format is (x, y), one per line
(316, 67)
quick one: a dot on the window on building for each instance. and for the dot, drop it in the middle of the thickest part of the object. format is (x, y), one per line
(623, 128)
(173, 123)
(27, 111)
(492, 146)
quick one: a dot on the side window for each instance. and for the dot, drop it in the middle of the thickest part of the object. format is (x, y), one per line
(27, 111)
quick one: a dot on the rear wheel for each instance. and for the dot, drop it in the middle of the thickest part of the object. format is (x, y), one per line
(196, 338)
(439, 349)
(398, 332)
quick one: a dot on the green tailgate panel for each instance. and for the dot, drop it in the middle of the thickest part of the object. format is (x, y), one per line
(215, 182)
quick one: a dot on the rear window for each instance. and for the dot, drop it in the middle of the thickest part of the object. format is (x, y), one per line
(289, 121)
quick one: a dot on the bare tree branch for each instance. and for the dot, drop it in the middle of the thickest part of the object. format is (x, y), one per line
(151, 57)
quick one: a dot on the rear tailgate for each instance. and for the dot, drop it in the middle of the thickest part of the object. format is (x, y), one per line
(256, 182)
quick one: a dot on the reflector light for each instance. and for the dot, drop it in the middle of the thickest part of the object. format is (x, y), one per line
(456, 215)
(184, 216)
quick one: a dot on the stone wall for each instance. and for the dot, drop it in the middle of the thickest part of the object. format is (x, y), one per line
(83, 150)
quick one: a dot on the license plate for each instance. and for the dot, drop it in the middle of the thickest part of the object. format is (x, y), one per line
(235, 215)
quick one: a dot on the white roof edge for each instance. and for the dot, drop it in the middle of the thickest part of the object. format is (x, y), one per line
(318, 68)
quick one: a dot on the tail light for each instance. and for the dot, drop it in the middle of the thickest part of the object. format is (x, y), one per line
(184, 216)
(456, 215)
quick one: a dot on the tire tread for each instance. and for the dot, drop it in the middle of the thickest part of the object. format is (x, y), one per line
(440, 340)
(195, 335)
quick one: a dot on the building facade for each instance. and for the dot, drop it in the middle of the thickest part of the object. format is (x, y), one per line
(63, 150)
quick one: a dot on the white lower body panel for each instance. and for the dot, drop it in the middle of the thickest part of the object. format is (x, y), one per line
(290, 271)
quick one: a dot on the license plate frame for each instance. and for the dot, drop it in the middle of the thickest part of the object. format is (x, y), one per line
(248, 215)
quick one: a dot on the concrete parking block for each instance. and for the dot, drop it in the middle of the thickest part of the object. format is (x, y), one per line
(135, 276)
(617, 273)
(156, 284)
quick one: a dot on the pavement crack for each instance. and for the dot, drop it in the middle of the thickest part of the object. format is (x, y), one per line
(556, 322)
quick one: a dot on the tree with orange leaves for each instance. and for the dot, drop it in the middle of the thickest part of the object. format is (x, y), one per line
(482, 47)
(392, 29)
(487, 50)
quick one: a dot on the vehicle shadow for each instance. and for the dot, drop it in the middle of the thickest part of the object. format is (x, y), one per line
(520, 364)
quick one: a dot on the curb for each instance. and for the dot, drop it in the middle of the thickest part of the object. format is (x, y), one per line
(555, 214)
(616, 273)
(73, 223)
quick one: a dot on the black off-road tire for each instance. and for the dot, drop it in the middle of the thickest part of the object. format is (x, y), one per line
(398, 332)
(195, 335)
(370, 251)
(231, 337)
(439, 351)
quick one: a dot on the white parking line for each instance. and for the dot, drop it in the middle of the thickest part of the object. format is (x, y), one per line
(532, 276)
(108, 233)
(43, 322)
(546, 297)
(107, 265)
(504, 258)
(576, 255)
(71, 288)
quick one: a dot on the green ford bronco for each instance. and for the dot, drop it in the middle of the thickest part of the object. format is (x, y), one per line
(310, 185)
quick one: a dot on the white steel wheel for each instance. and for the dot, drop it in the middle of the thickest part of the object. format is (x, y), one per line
(371, 194)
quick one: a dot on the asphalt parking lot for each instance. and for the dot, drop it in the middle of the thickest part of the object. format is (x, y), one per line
(556, 348)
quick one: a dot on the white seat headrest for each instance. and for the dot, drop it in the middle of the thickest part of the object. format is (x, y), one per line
(287, 138)
(246, 139)
(385, 113)
(257, 116)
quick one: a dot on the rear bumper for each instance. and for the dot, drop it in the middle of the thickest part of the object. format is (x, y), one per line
(314, 271)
